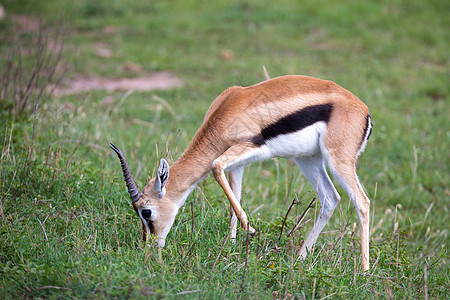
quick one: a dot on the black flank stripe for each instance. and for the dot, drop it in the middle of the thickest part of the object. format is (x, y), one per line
(295, 122)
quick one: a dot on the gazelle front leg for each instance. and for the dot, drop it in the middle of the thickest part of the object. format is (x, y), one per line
(235, 178)
(237, 156)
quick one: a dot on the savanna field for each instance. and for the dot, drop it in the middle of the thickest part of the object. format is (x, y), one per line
(76, 75)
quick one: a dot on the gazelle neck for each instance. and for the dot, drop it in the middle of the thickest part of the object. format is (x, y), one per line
(191, 167)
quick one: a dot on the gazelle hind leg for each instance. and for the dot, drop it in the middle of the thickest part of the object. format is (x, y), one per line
(235, 178)
(345, 173)
(315, 171)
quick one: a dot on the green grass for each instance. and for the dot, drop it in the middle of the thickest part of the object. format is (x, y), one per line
(68, 230)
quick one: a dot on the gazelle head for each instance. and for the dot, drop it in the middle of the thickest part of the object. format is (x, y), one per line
(155, 209)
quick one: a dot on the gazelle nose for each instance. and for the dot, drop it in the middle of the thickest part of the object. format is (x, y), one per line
(146, 213)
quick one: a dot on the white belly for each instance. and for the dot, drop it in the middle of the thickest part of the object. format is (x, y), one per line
(305, 142)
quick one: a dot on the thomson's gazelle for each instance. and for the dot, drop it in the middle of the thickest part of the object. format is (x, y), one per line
(311, 121)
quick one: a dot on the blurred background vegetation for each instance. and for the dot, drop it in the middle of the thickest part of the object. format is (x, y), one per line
(63, 204)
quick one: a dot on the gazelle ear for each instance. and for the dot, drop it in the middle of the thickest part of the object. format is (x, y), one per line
(161, 178)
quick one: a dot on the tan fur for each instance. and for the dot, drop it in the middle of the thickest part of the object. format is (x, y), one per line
(240, 113)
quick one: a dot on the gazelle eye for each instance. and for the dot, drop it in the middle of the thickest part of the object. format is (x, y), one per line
(146, 213)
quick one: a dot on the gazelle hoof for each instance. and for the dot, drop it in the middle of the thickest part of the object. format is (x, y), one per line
(251, 231)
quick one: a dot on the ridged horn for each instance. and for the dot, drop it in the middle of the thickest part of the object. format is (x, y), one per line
(131, 185)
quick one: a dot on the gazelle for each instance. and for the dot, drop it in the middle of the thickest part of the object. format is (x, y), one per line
(311, 121)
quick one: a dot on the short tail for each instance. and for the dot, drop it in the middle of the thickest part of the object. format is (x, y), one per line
(367, 133)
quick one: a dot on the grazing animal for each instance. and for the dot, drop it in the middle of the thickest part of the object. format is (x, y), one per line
(311, 121)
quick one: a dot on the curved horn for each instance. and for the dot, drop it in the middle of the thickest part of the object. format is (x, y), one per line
(131, 185)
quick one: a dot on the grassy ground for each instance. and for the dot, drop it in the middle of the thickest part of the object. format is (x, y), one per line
(66, 225)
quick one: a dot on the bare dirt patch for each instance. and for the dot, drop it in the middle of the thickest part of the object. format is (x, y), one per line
(157, 81)
(25, 23)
